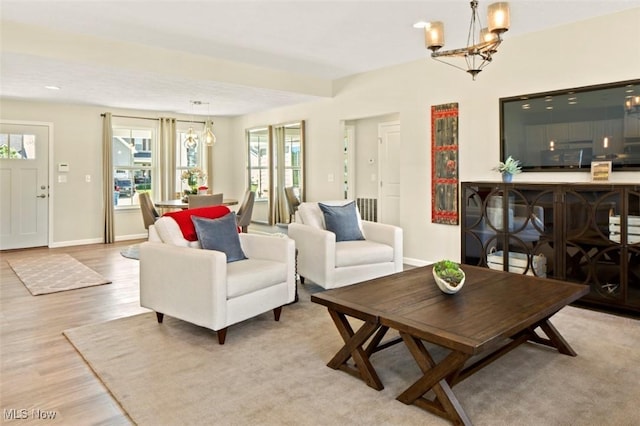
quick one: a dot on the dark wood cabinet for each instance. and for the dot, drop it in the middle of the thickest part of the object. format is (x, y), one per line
(583, 233)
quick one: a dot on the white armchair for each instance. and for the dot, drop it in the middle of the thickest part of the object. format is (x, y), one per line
(332, 264)
(183, 281)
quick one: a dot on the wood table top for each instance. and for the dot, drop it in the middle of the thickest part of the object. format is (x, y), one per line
(491, 306)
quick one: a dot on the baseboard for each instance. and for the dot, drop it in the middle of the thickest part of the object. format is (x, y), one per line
(415, 262)
(132, 237)
(97, 240)
(76, 243)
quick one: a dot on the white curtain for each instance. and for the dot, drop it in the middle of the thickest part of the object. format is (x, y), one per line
(167, 158)
(107, 172)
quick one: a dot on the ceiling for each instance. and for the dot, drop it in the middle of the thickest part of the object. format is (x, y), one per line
(236, 57)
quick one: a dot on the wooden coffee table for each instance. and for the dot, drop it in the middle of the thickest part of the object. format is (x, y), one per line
(492, 314)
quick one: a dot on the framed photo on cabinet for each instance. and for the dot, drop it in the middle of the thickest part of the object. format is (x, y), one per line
(600, 171)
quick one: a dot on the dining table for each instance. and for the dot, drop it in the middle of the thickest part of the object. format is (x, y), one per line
(180, 204)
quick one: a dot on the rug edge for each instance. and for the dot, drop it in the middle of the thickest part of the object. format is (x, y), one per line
(89, 364)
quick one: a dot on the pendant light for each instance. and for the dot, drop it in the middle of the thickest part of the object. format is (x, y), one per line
(191, 141)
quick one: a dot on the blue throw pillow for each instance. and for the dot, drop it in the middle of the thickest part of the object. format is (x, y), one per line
(221, 235)
(342, 221)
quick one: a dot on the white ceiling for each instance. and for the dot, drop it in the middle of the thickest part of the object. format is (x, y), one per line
(304, 44)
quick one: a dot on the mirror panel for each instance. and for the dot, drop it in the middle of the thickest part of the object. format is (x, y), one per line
(275, 161)
(259, 170)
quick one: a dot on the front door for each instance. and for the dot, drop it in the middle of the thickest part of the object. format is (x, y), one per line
(389, 169)
(24, 185)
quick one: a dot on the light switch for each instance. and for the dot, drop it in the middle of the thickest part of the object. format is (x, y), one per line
(330, 177)
(62, 178)
(87, 178)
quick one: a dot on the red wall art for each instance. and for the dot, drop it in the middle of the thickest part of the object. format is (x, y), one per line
(444, 164)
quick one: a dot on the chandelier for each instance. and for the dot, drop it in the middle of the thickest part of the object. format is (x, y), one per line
(191, 141)
(482, 43)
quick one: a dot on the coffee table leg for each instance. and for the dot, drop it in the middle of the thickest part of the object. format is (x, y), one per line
(434, 378)
(556, 338)
(353, 348)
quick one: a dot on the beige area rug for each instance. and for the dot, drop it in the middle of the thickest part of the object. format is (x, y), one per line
(54, 273)
(275, 373)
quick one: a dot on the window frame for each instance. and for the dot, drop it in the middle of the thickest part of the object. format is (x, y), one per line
(131, 169)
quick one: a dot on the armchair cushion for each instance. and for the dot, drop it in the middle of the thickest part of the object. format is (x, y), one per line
(252, 275)
(353, 253)
(183, 218)
(221, 235)
(342, 221)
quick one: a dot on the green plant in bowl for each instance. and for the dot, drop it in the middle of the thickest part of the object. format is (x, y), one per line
(448, 276)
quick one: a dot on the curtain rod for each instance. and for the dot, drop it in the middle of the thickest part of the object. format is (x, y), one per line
(149, 118)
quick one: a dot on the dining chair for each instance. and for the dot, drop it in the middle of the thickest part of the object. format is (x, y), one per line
(205, 200)
(292, 201)
(245, 211)
(149, 212)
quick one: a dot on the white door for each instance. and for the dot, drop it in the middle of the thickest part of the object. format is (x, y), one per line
(389, 172)
(24, 185)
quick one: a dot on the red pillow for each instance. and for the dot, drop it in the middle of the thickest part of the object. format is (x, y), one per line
(183, 218)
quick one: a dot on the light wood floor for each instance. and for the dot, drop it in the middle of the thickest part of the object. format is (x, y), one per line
(40, 370)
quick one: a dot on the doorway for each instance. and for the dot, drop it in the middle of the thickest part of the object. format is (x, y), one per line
(24, 184)
(372, 162)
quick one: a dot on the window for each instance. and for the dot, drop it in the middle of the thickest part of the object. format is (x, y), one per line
(186, 158)
(132, 165)
(17, 146)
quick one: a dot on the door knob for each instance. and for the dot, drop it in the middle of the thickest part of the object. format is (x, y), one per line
(41, 196)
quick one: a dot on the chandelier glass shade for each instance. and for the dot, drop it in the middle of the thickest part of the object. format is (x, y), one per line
(482, 43)
(209, 137)
(191, 141)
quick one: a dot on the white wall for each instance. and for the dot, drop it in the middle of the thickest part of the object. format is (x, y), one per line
(569, 56)
(596, 51)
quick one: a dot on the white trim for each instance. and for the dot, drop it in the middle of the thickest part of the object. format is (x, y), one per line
(350, 133)
(133, 237)
(50, 166)
(416, 262)
(77, 242)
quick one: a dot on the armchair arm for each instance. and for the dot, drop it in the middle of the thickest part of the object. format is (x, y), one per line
(386, 234)
(316, 251)
(267, 247)
(187, 283)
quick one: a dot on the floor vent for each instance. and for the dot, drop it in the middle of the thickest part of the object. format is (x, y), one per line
(368, 208)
